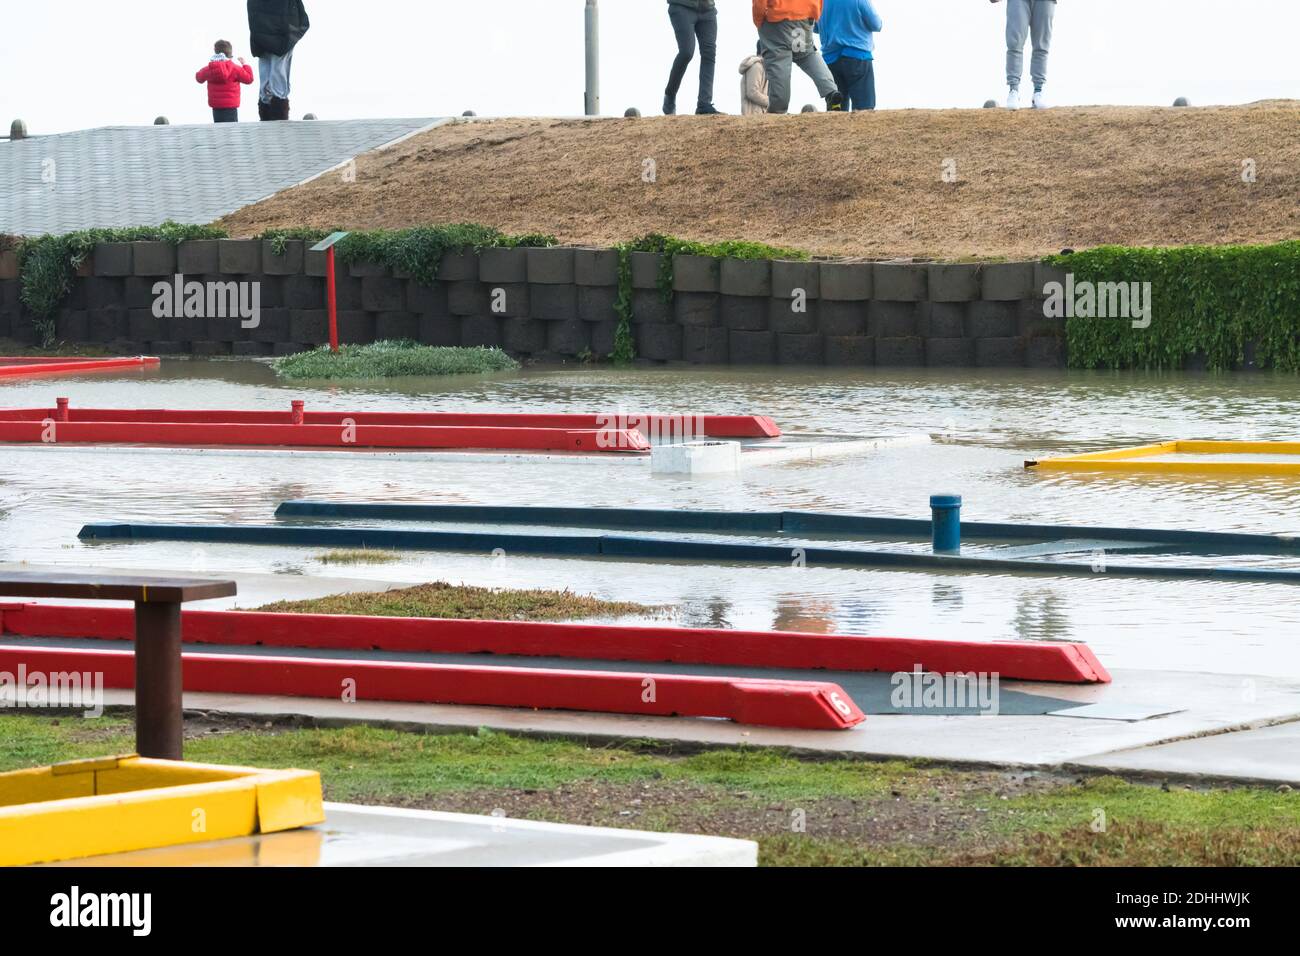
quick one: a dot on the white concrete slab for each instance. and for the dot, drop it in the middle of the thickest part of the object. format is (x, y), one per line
(355, 835)
(776, 452)
(1210, 704)
(1265, 754)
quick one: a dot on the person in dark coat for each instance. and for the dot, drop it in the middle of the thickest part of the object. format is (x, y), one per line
(275, 27)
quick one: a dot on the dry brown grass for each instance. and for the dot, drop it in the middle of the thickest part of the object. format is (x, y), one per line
(867, 184)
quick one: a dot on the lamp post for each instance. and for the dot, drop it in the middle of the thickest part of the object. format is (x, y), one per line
(593, 58)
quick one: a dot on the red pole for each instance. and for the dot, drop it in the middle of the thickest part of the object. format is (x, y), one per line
(332, 299)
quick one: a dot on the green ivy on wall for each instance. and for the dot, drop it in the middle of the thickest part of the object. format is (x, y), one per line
(417, 251)
(48, 264)
(667, 248)
(1209, 304)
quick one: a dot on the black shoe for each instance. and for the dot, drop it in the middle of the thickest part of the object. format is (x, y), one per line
(670, 106)
(709, 110)
(835, 102)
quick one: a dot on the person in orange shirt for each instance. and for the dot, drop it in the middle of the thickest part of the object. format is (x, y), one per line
(785, 32)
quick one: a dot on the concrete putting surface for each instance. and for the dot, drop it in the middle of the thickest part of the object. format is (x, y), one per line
(355, 835)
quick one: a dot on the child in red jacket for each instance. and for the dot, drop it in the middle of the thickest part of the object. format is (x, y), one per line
(223, 77)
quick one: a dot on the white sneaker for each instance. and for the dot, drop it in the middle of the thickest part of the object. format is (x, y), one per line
(1013, 99)
(1039, 102)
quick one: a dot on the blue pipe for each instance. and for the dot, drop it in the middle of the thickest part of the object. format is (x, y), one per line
(945, 529)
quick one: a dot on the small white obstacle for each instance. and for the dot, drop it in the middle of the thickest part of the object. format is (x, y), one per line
(696, 458)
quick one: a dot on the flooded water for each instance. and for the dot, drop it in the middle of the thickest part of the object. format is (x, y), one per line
(985, 425)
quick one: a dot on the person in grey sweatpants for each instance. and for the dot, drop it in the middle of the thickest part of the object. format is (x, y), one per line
(1028, 19)
(693, 19)
(787, 42)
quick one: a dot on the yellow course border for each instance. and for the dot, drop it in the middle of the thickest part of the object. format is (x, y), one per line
(116, 804)
(1130, 459)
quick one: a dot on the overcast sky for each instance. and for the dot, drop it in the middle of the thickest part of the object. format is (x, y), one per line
(82, 63)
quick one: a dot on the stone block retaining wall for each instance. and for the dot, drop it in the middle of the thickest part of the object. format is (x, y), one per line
(556, 304)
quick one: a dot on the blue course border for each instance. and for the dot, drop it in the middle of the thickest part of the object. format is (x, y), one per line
(631, 546)
(808, 522)
(642, 518)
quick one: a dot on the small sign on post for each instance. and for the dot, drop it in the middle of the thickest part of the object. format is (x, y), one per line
(326, 246)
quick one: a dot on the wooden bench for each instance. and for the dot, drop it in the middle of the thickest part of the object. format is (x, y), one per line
(159, 728)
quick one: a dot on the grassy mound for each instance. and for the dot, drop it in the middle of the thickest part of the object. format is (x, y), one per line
(392, 359)
(1018, 185)
(463, 603)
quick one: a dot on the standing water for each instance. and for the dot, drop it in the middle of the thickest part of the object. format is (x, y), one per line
(984, 426)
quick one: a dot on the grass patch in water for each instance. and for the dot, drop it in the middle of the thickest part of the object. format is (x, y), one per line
(464, 602)
(391, 359)
(359, 556)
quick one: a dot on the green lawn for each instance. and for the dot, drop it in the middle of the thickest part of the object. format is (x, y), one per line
(802, 812)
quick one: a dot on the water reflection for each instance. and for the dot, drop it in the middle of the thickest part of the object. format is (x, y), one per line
(1042, 615)
(946, 597)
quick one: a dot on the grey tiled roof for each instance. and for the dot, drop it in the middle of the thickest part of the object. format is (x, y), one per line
(143, 175)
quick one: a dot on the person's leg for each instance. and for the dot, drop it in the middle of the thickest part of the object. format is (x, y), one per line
(841, 71)
(1018, 17)
(268, 67)
(279, 86)
(683, 21)
(777, 58)
(265, 64)
(706, 29)
(809, 59)
(856, 83)
(225, 115)
(1041, 32)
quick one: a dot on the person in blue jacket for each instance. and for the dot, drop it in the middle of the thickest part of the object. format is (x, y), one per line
(848, 30)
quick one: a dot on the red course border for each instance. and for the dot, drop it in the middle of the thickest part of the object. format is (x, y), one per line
(1059, 663)
(712, 426)
(806, 705)
(329, 429)
(20, 367)
(319, 436)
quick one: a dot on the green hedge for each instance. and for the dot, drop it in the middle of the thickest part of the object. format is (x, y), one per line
(1208, 303)
(48, 264)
